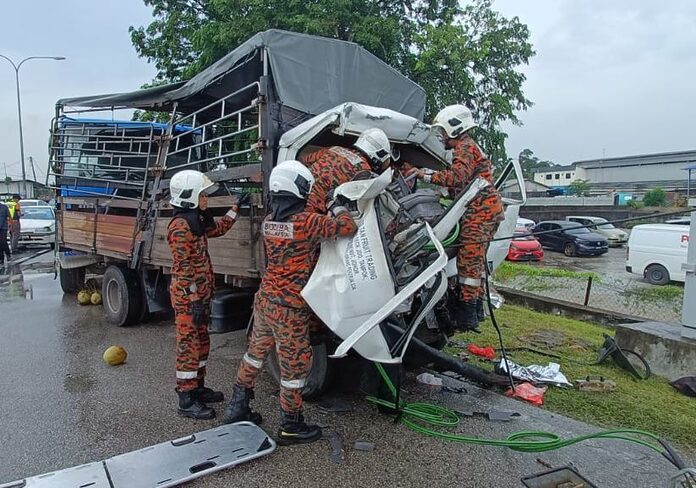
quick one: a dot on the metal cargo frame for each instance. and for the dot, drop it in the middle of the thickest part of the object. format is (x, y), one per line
(235, 146)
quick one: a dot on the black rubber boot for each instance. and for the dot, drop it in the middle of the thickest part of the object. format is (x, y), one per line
(465, 317)
(480, 313)
(293, 430)
(192, 408)
(207, 395)
(238, 409)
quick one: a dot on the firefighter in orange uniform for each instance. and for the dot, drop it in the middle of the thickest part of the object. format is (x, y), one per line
(192, 286)
(333, 166)
(481, 219)
(291, 236)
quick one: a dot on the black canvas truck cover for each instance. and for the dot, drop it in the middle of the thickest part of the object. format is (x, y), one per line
(310, 74)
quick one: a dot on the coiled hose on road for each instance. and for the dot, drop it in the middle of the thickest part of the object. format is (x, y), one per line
(419, 417)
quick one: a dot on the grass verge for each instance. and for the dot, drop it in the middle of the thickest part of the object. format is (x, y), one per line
(506, 271)
(651, 405)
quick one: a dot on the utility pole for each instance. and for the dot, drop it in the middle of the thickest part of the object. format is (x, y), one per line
(16, 67)
(31, 161)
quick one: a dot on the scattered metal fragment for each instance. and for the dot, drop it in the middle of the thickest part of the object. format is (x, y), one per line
(595, 384)
(364, 446)
(338, 454)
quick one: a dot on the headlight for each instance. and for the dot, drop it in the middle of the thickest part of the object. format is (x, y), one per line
(48, 229)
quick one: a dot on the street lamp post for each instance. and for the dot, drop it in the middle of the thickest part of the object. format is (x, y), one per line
(16, 67)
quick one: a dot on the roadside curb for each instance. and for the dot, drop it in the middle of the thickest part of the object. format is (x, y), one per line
(566, 309)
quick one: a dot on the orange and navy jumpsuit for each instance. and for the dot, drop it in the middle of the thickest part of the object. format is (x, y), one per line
(331, 167)
(480, 221)
(192, 280)
(281, 316)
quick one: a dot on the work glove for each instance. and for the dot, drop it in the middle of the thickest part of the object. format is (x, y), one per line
(333, 200)
(244, 199)
(199, 312)
(337, 210)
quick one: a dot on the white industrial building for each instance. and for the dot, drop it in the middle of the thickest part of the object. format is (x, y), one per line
(628, 173)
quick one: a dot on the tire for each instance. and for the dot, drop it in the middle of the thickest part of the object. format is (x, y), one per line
(656, 274)
(569, 249)
(71, 280)
(122, 296)
(320, 376)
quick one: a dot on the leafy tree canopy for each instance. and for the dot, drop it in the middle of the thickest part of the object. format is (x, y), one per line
(470, 54)
(530, 163)
(655, 198)
(579, 188)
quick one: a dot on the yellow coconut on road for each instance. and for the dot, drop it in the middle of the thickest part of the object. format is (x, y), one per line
(115, 355)
(84, 297)
(96, 298)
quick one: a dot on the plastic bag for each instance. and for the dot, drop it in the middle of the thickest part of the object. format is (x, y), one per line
(528, 392)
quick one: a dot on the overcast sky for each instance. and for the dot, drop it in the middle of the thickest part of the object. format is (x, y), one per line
(614, 78)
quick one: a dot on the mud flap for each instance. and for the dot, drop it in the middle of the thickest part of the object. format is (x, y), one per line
(164, 465)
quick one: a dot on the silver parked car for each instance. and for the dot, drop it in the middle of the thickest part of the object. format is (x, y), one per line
(615, 237)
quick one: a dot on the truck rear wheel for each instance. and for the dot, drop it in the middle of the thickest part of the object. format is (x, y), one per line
(71, 280)
(122, 296)
(656, 274)
(320, 376)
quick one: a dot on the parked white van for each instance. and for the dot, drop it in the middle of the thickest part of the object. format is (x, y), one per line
(657, 252)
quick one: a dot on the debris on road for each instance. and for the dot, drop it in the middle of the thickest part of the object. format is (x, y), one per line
(595, 384)
(565, 477)
(493, 415)
(528, 392)
(626, 359)
(686, 385)
(429, 379)
(338, 453)
(482, 352)
(536, 373)
(115, 355)
(366, 446)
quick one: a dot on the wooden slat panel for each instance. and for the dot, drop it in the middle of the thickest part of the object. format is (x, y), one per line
(114, 233)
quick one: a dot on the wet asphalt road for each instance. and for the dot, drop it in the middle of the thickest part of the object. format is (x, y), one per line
(61, 406)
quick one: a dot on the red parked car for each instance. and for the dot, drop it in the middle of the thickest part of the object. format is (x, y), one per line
(524, 247)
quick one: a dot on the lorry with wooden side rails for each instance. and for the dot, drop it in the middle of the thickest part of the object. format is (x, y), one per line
(234, 121)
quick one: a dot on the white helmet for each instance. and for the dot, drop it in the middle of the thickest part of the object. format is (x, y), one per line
(454, 120)
(375, 144)
(291, 177)
(187, 185)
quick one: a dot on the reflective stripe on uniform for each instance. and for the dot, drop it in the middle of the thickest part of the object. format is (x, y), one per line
(470, 281)
(186, 375)
(254, 363)
(293, 384)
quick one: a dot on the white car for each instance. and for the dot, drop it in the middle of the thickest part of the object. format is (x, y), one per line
(526, 223)
(38, 226)
(33, 203)
(615, 237)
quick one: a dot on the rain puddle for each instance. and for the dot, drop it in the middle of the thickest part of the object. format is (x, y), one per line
(15, 279)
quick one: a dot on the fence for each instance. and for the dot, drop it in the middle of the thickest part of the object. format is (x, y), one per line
(626, 296)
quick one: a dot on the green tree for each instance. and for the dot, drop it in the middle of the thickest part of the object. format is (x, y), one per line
(530, 163)
(579, 188)
(469, 54)
(655, 198)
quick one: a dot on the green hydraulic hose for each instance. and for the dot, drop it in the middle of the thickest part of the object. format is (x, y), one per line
(417, 416)
(447, 242)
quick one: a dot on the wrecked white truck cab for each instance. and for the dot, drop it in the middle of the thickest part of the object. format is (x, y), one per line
(379, 289)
